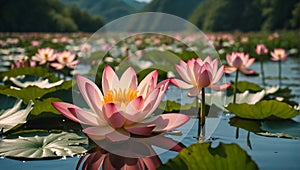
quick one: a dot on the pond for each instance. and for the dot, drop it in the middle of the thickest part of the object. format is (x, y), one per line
(277, 152)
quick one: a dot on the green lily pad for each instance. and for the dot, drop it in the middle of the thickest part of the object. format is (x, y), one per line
(245, 85)
(39, 147)
(263, 109)
(279, 128)
(247, 124)
(37, 71)
(32, 92)
(203, 156)
(41, 106)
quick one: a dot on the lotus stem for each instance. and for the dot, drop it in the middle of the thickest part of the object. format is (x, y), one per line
(203, 107)
(262, 72)
(279, 72)
(235, 86)
(201, 115)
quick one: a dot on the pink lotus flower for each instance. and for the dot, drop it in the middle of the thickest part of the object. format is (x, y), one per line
(123, 108)
(199, 74)
(65, 59)
(279, 54)
(261, 49)
(44, 55)
(239, 61)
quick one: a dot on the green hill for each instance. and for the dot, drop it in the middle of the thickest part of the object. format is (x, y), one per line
(44, 16)
(246, 15)
(181, 8)
(108, 9)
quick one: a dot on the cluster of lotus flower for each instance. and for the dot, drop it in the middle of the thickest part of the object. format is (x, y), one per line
(48, 57)
(124, 108)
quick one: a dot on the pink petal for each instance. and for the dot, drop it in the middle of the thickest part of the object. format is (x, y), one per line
(129, 79)
(140, 129)
(229, 70)
(218, 75)
(162, 86)
(238, 62)
(81, 83)
(250, 62)
(148, 83)
(183, 73)
(181, 84)
(229, 59)
(57, 66)
(112, 115)
(219, 87)
(118, 135)
(205, 78)
(134, 110)
(95, 98)
(85, 116)
(109, 79)
(169, 121)
(63, 108)
(247, 71)
(195, 91)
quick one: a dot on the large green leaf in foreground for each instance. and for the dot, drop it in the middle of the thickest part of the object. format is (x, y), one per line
(203, 156)
(263, 109)
(39, 147)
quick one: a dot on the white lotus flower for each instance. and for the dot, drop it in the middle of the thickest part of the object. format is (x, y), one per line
(11, 117)
(220, 99)
(44, 84)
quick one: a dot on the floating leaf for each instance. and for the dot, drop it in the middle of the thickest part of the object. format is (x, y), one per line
(282, 128)
(41, 106)
(203, 156)
(37, 71)
(279, 128)
(263, 109)
(39, 147)
(12, 117)
(247, 124)
(32, 92)
(245, 85)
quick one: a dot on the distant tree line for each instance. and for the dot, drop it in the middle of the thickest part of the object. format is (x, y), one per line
(45, 16)
(247, 15)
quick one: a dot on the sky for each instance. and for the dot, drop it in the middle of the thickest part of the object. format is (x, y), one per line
(144, 0)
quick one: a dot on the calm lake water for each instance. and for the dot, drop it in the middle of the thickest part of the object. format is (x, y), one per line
(267, 152)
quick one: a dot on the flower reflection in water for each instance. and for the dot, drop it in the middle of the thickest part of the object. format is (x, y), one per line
(129, 154)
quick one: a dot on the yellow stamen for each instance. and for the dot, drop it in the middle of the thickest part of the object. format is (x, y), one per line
(65, 58)
(120, 96)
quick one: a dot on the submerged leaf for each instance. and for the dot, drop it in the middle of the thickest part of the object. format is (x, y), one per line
(12, 117)
(39, 147)
(203, 156)
(263, 109)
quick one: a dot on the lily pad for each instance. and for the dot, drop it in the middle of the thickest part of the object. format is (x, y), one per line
(32, 92)
(37, 71)
(245, 85)
(279, 128)
(263, 109)
(203, 156)
(13, 116)
(39, 147)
